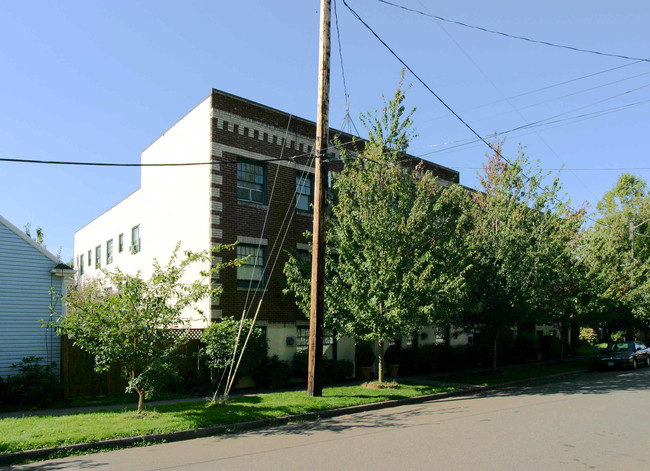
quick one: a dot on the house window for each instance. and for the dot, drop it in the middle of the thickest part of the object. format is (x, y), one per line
(81, 264)
(235, 128)
(109, 252)
(266, 137)
(135, 239)
(89, 262)
(302, 339)
(251, 271)
(250, 182)
(256, 134)
(98, 256)
(224, 125)
(120, 243)
(304, 192)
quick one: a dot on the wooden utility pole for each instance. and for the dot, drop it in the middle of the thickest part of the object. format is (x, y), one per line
(316, 313)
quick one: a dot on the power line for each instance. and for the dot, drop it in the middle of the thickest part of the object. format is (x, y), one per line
(424, 84)
(585, 169)
(543, 122)
(513, 36)
(496, 151)
(115, 164)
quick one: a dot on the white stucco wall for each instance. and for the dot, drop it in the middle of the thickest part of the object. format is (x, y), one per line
(119, 219)
(172, 205)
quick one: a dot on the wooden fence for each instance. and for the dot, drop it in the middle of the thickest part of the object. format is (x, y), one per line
(80, 379)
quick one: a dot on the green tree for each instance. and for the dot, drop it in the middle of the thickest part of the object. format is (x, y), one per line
(519, 249)
(616, 254)
(219, 340)
(392, 262)
(138, 324)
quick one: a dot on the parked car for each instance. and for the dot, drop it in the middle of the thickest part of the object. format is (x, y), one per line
(630, 354)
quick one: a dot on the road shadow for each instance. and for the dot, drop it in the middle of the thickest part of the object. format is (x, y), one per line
(78, 463)
(591, 382)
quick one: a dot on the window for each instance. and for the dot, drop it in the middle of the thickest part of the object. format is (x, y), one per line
(251, 271)
(302, 339)
(89, 262)
(81, 264)
(256, 134)
(224, 125)
(98, 256)
(109, 252)
(235, 128)
(120, 243)
(304, 192)
(251, 179)
(135, 239)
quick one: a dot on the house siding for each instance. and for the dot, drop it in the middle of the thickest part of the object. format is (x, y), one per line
(25, 299)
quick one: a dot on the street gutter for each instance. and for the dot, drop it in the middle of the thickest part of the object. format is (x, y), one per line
(44, 453)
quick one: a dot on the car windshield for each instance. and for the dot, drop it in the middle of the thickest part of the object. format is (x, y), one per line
(621, 347)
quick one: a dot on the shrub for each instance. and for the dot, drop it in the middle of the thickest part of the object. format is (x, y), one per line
(274, 373)
(364, 355)
(35, 385)
(393, 355)
(336, 371)
(219, 342)
(588, 335)
(550, 346)
(525, 347)
(300, 364)
(409, 363)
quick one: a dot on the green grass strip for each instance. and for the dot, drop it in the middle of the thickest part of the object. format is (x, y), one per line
(515, 373)
(27, 433)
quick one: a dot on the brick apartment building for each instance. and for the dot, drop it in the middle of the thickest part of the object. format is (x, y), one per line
(242, 193)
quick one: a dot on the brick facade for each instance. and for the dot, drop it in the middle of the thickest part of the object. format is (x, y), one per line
(244, 130)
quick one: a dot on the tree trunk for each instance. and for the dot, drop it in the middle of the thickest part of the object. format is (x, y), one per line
(562, 339)
(380, 360)
(140, 400)
(494, 351)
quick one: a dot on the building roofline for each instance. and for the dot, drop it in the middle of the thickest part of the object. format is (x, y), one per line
(177, 121)
(347, 136)
(27, 239)
(104, 212)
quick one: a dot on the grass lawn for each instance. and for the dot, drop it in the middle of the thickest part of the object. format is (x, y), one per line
(591, 349)
(46, 431)
(514, 373)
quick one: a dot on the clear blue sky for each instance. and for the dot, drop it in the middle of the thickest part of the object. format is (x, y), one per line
(100, 80)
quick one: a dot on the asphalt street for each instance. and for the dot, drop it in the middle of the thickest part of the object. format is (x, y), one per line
(596, 420)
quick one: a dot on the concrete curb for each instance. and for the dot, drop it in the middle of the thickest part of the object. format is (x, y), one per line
(44, 453)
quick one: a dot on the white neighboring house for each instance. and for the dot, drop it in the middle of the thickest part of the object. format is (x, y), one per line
(28, 274)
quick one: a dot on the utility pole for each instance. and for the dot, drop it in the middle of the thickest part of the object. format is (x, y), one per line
(632, 228)
(316, 313)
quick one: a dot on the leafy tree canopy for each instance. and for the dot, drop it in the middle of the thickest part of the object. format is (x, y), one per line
(135, 323)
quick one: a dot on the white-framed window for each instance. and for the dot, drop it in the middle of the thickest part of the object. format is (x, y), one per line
(120, 243)
(98, 256)
(89, 258)
(251, 271)
(304, 192)
(302, 338)
(109, 251)
(136, 244)
(251, 181)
